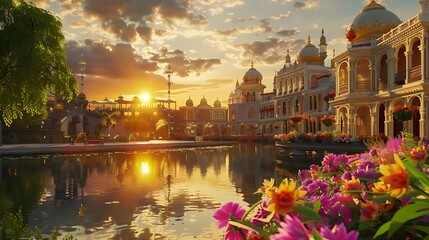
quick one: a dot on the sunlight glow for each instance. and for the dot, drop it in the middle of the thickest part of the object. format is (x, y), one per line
(145, 98)
(144, 168)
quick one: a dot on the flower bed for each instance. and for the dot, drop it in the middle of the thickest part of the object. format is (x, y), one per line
(380, 194)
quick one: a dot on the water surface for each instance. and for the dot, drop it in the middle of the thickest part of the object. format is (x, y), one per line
(163, 194)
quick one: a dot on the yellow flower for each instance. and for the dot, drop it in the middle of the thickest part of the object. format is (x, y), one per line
(395, 177)
(418, 154)
(283, 198)
(353, 184)
(266, 186)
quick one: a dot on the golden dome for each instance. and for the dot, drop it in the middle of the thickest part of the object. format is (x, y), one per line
(373, 21)
(252, 76)
(217, 103)
(309, 54)
(189, 102)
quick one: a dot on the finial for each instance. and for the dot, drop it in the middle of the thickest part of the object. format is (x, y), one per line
(308, 39)
(252, 63)
(333, 52)
(323, 31)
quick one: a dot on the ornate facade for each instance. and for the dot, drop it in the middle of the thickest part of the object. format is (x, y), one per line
(385, 67)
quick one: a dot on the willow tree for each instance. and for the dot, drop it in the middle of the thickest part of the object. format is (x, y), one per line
(32, 60)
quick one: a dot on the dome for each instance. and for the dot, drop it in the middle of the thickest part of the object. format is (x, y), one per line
(217, 103)
(252, 75)
(189, 102)
(203, 101)
(81, 96)
(309, 54)
(373, 21)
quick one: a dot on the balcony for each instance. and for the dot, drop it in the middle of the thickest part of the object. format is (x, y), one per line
(415, 74)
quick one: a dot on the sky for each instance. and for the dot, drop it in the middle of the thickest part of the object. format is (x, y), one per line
(210, 44)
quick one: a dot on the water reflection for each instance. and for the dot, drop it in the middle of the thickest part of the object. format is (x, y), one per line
(143, 195)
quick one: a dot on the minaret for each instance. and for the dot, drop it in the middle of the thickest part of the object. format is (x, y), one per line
(424, 16)
(274, 82)
(287, 59)
(323, 48)
(237, 84)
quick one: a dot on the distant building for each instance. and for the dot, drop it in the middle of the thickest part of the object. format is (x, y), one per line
(202, 119)
(243, 103)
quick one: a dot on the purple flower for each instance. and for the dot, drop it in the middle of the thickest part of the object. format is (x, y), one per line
(373, 152)
(347, 176)
(366, 164)
(339, 210)
(340, 159)
(226, 212)
(292, 228)
(261, 213)
(304, 174)
(338, 232)
(368, 173)
(316, 187)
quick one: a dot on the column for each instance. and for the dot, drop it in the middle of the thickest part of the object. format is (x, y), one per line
(408, 55)
(391, 67)
(388, 123)
(373, 116)
(351, 71)
(424, 125)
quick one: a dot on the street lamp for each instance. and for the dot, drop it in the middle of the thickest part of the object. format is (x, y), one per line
(168, 71)
(81, 65)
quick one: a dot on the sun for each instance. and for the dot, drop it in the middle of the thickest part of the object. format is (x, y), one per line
(145, 97)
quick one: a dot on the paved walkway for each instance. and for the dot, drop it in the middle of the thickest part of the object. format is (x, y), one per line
(65, 148)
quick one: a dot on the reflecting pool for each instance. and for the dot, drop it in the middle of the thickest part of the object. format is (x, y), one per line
(160, 194)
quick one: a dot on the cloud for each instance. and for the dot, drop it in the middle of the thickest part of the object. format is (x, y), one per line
(270, 51)
(288, 33)
(130, 19)
(181, 65)
(307, 4)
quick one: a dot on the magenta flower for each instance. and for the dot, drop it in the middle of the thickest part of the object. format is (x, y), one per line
(338, 232)
(292, 228)
(230, 211)
(340, 159)
(316, 187)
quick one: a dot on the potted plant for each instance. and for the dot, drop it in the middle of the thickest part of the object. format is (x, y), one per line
(327, 120)
(329, 96)
(403, 113)
(296, 118)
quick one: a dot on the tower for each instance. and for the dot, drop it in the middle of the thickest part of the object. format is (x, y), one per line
(323, 47)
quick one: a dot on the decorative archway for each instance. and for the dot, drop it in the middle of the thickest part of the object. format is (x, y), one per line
(363, 121)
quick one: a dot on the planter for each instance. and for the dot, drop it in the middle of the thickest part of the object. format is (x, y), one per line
(403, 115)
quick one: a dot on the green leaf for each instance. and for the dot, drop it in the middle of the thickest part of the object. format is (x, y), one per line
(407, 213)
(246, 225)
(383, 229)
(317, 205)
(309, 213)
(422, 228)
(411, 168)
(316, 235)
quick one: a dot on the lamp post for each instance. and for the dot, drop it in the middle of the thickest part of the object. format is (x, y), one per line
(81, 65)
(168, 71)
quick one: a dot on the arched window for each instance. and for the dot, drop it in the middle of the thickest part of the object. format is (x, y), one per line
(343, 79)
(382, 81)
(363, 75)
(401, 68)
(416, 62)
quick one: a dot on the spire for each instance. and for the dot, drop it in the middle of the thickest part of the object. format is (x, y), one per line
(323, 52)
(237, 84)
(308, 39)
(252, 64)
(287, 59)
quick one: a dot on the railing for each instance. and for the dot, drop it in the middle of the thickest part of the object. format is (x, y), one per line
(415, 74)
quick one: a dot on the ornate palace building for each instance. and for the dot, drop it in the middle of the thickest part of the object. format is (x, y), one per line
(385, 68)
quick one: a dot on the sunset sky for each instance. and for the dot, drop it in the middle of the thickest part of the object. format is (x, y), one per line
(128, 44)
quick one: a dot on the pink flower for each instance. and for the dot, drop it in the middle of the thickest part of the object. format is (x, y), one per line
(292, 228)
(230, 211)
(338, 232)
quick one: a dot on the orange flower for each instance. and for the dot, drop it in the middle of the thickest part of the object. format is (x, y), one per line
(395, 177)
(418, 154)
(370, 211)
(380, 187)
(283, 198)
(353, 184)
(266, 186)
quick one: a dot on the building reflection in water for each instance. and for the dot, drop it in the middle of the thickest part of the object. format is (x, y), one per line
(157, 194)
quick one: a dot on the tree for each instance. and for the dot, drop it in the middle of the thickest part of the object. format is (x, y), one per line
(108, 120)
(32, 60)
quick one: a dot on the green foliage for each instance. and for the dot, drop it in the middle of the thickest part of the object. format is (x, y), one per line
(15, 228)
(32, 60)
